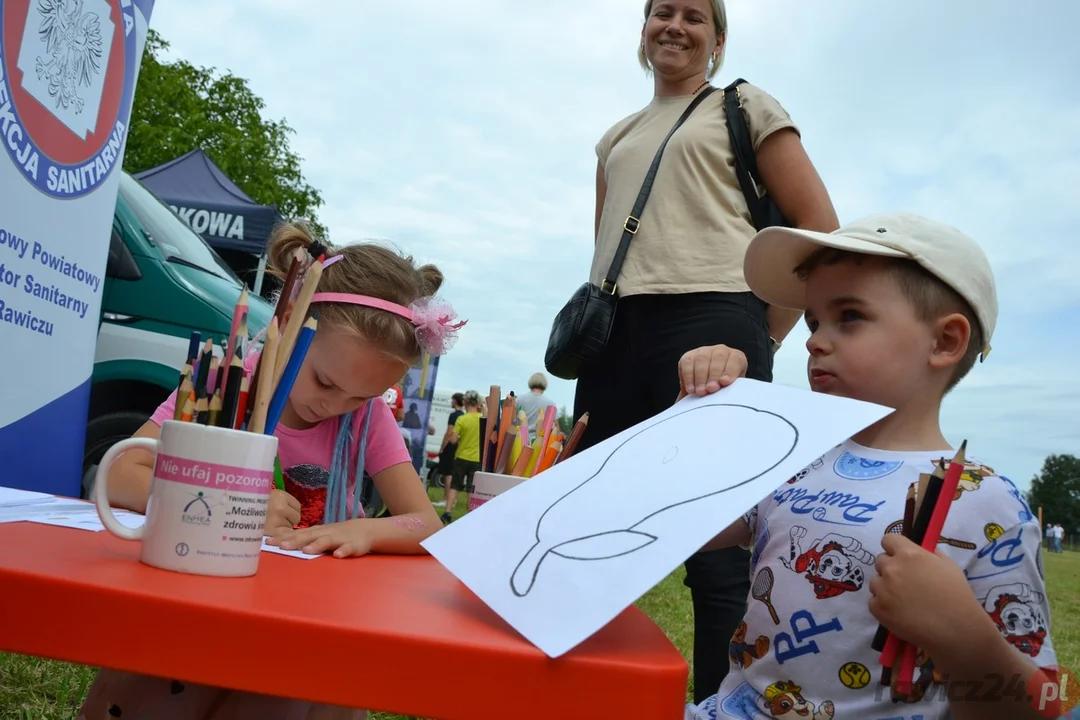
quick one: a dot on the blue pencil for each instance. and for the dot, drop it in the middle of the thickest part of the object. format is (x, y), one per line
(292, 369)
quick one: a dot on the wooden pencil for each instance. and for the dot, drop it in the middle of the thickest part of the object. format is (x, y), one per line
(287, 290)
(297, 317)
(575, 438)
(204, 367)
(267, 363)
(233, 385)
(186, 386)
(202, 410)
(242, 403)
(522, 461)
(215, 408)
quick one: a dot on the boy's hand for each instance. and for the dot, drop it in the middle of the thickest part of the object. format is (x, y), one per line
(346, 539)
(907, 578)
(282, 512)
(707, 369)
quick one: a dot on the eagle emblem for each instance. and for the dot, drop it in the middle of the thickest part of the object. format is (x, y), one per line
(73, 50)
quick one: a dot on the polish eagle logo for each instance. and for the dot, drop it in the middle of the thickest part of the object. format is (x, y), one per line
(73, 50)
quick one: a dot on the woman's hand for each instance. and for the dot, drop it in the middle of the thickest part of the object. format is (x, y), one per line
(351, 538)
(707, 369)
(282, 512)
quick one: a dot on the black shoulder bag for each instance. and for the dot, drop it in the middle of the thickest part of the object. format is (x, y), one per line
(763, 210)
(581, 329)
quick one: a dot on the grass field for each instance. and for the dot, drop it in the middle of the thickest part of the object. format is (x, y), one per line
(35, 689)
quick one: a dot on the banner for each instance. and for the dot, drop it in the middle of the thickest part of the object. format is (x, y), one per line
(418, 409)
(67, 79)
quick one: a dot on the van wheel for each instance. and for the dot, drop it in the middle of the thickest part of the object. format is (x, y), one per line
(101, 434)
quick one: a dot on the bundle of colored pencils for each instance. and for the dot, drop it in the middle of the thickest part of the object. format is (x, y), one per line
(505, 447)
(925, 510)
(213, 391)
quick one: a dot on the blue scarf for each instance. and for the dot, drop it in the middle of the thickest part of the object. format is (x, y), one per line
(337, 486)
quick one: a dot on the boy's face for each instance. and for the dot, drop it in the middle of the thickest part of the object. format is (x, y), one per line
(866, 342)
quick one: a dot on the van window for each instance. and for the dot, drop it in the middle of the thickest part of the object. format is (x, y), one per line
(176, 241)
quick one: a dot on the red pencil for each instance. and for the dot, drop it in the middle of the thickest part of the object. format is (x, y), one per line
(929, 543)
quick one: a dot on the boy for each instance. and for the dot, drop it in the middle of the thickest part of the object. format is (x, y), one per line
(899, 309)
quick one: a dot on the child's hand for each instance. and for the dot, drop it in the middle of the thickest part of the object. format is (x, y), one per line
(346, 539)
(907, 578)
(282, 512)
(707, 369)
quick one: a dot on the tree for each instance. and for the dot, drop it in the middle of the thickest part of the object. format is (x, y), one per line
(1057, 490)
(179, 106)
(565, 421)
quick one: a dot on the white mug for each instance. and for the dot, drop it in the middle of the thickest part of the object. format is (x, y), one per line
(488, 485)
(208, 498)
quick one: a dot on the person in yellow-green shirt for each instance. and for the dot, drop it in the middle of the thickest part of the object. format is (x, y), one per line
(467, 457)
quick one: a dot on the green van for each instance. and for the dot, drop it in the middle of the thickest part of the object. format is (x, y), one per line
(162, 283)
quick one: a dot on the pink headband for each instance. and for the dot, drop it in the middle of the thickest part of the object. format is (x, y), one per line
(432, 317)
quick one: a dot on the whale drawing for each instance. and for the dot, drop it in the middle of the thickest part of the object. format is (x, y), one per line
(584, 524)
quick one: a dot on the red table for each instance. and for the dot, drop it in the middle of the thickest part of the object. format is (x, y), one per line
(385, 633)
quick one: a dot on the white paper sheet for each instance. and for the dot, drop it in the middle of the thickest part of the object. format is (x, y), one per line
(290, 553)
(10, 497)
(561, 555)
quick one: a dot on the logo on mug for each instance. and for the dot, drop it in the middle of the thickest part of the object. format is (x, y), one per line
(182, 549)
(197, 512)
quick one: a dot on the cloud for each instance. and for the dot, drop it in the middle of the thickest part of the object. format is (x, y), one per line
(464, 133)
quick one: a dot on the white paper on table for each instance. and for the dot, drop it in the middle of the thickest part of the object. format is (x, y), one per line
(10, 497)
(72, 514)
(561, 555)
(290, 553)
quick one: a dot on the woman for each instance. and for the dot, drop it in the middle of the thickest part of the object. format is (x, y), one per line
(681, 286)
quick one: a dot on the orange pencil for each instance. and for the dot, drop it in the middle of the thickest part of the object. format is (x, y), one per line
(550, 454)
(523, 461)
(188, 412)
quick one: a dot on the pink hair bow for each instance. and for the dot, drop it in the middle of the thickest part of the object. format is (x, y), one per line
(436, 332)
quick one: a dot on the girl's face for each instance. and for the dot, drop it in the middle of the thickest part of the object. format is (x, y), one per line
(340, 373)
(680, 37)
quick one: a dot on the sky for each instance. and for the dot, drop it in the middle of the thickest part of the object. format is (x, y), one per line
(463, 134)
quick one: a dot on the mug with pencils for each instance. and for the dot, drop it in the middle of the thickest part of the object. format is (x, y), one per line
(208, 498)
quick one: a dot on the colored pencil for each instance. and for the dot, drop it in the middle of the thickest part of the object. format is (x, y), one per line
(574, 439)
(522, 461)
(239, 323)
(233, 382)
(215, 408)
(242, 404)
(504, 452)
(204, 367)
(266, 387)
(287, 290)
(288, 376)
(188, 413)
(297, 318)
(929, 543)
(186, 386)
(202, 410)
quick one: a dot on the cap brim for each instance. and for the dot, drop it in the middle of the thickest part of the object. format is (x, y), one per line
(775, 252)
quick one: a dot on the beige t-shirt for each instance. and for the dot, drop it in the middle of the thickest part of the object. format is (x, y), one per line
(696, 225)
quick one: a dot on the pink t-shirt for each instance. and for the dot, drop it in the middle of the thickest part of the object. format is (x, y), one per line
(306, 455)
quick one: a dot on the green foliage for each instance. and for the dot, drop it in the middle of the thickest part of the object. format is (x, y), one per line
(565, 421)
(179, 106)
(1057, 491)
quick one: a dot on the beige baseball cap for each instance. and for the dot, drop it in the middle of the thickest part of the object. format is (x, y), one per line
(775, 252)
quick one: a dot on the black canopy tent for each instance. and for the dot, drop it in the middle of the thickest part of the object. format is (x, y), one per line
(233, 224)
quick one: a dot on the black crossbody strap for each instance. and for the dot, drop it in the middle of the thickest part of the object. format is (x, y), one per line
(745, 158)
(633, 221)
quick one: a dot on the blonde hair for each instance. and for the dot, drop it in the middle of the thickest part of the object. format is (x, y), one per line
(364, 269)
(719, 12)
(537, 381)
(471, 399)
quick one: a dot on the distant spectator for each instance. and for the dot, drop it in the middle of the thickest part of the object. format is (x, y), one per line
(445, 469)
(466, 435)
(534, 401)
(412, 418)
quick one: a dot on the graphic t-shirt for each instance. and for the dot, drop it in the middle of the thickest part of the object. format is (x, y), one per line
(804, 646)
(467, 428)
(306, 455)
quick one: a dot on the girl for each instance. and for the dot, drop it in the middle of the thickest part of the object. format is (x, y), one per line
(377, 315)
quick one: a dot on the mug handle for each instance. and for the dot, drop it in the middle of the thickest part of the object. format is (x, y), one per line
(101, 492)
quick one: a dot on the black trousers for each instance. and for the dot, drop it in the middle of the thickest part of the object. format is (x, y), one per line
(636, 378)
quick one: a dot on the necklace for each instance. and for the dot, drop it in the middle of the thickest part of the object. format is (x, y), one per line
(699, 87)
